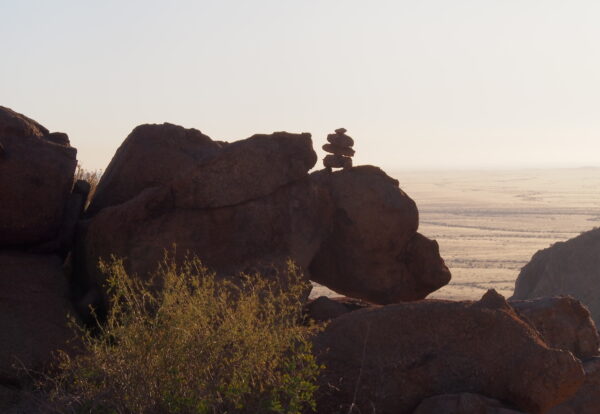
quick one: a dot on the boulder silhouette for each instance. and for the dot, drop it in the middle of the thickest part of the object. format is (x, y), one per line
(36, 177)
(389, 359)
(151, 155)
(565, 268)
(252, 203)
(250, 207)
(374, 252)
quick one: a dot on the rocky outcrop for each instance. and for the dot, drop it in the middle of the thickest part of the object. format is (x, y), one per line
(36, 177)
(464, 403)
(393, 357)
(566, 268)
(563, 322)
(254, 202)
(34, 305)
(245, 209)
(374, 252)
(150, 156)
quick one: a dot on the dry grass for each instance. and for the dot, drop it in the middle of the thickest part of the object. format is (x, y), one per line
(92, 177)
(199, 345)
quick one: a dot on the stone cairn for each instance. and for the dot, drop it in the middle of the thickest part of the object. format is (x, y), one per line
(340, 149)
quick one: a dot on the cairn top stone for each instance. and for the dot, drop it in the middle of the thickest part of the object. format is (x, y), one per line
(340, 140)
(341, 131)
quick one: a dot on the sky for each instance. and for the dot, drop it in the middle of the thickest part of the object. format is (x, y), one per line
(420, 84)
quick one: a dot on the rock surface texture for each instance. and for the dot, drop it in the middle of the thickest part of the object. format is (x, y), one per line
(150, 156)
(33, 312)
(566, 268)
(250, 205)
(464, 403)
(391, 358)
(563, 322)
(587, 399)
(36, 177)
(374, 252)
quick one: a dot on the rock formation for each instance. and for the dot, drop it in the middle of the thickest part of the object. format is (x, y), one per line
(249, 206)
(151, 155)
(253, 202)
(38, 212)
(375, 233)
(36, 178)
(391, 358)
(340, 149)
(566, 268)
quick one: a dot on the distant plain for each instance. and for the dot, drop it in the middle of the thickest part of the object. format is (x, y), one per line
(489, 223)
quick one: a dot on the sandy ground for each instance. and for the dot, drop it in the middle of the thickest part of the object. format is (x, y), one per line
(489, 223)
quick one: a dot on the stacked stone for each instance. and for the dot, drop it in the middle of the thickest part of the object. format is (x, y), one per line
(340, 149)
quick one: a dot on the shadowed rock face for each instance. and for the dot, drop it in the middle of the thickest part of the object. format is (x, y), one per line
(36, 177)
(587, 399)
(563, 322)
(246, 170)
(33, 312)
(374, 252)
(151, 155)
(395, 356)
(291, 222)
(566, 268)
(464, 403)
(248, 206)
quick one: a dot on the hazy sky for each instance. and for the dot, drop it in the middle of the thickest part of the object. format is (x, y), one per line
(418, 84)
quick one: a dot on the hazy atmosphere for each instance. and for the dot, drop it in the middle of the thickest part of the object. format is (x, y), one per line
(419, 84)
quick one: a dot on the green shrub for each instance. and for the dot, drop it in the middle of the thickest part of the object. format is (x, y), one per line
(198, 345)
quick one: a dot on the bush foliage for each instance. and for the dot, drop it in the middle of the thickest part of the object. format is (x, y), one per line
(197, 345)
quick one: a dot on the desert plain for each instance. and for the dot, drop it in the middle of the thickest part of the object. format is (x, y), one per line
(489, 223)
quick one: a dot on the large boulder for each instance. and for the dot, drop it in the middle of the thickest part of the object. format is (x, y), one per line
(566, 268)
(247, 170)
(587, 399)
(34, 305)
(36, 177)
(374, 252)
(563, 322)
(151, 155)
(389, 359)
(289, 223)
(244, 208)
(464, 403)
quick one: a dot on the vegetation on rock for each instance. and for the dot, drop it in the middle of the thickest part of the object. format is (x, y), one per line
(199, 344)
